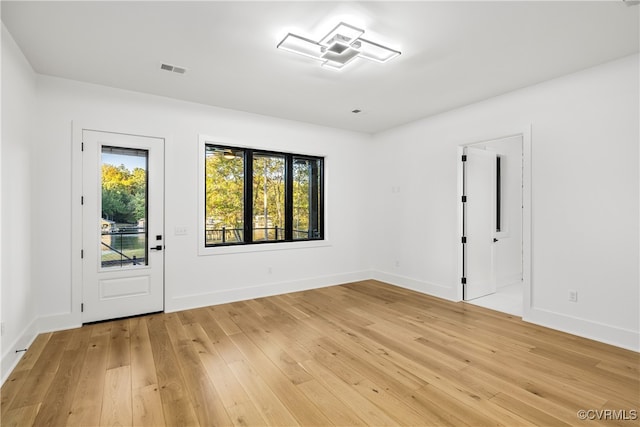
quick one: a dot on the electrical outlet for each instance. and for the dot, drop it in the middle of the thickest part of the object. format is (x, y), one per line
(573, 295)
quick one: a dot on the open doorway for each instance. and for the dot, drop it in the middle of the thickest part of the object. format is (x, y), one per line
(492, 224)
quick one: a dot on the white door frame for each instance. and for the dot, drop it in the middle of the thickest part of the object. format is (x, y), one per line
(526, 212)
(74, 316)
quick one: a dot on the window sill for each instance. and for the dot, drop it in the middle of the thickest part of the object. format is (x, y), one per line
(262, 247)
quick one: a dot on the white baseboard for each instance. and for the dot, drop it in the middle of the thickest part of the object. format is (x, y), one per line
(601, 332)
(10, 358)
(260, 291)
(510, 279)
(59, 322)
(607, 334)
(424, 287)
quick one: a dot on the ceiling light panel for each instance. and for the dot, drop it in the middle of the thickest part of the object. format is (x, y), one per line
(348, 33)
(332, 65)
(339, 47)
(301, 46)
(376, 52)
(343, 57)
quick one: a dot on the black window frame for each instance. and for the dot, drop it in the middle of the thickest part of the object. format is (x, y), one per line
(248, 223)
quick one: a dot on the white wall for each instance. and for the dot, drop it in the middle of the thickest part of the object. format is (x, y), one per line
(392, 213)
(585, 218)
(19, 310)
(190, 280)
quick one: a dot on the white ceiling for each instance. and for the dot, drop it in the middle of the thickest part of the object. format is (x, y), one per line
(453, 53)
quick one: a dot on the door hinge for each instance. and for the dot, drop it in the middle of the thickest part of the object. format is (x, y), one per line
(82, 308)
(464, 157)
(82, 146)
(464, 280)
(464, 199)
(464, 239)
(82, 200)
(82, 253)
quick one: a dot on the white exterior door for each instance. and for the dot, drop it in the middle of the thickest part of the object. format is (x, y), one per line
(123, 225)
(479, 222)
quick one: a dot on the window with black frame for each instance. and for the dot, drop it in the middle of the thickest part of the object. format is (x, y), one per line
(258, 196)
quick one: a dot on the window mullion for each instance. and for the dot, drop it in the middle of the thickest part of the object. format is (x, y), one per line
(321, 198)
(248, 196)
(288, 198)
(313, 199)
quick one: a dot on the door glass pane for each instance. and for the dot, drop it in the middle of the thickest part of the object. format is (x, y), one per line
(124, 207)
(306, 198)
(224, 195)
(268, 197)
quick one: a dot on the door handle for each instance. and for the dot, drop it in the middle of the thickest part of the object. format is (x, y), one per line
(495, 240)
(156, 248)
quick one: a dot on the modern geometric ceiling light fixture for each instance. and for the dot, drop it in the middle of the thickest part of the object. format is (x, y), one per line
(338, 48)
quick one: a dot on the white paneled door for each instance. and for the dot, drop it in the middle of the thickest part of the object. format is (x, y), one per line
(479, 222)
(123, 225)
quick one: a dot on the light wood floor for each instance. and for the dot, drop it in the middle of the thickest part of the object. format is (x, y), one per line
(365, 353)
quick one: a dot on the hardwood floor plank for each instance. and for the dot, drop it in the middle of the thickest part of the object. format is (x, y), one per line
(116, 399)
(291, 309)
(147, 404)
(22, 416)
(407, 395)
(557, 410)
(304, 411)
(374, 358)
(29, 359)
(79, 339)
(267, 403)
(272, 345)
(56, 406)
(43, 372)
(377, 392)
(567, 399)
(237, 403)
(87, 400)
(11, 387)
(228, 326)
(204, 398)
(119, 349)
(538, 416)
(207, 319)
(363, 353)
(143, 372)
(336, 411)
(367, 411)
(177, 408)
(631, 371)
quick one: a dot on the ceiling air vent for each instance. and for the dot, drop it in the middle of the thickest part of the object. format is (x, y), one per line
(174, 68)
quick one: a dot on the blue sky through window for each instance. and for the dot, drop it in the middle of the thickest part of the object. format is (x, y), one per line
(130, 162)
